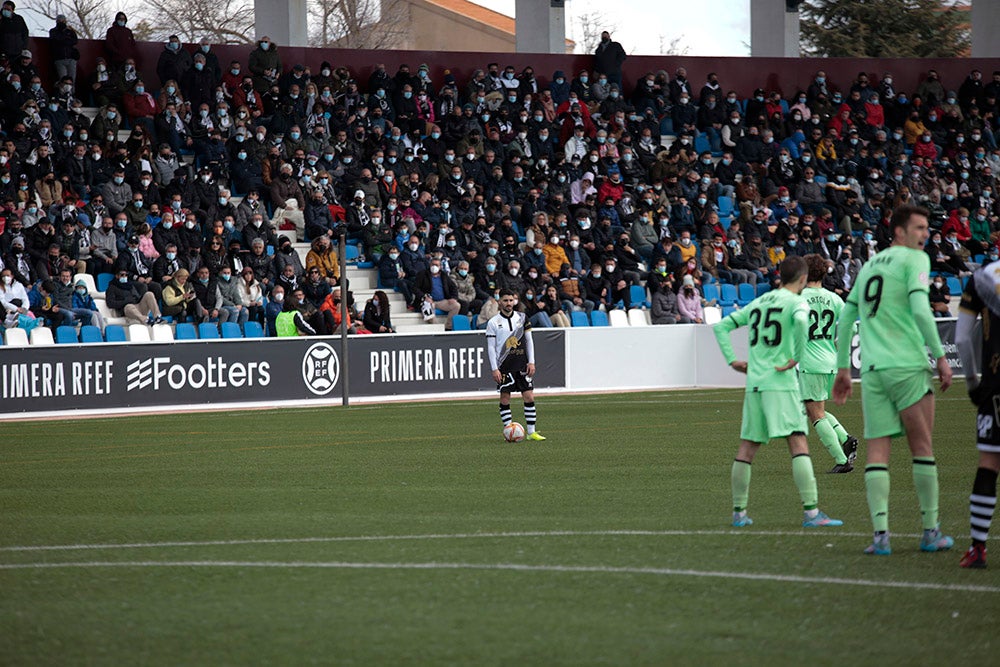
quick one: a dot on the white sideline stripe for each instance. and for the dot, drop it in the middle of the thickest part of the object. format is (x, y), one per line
(516, 567)
(442, 536)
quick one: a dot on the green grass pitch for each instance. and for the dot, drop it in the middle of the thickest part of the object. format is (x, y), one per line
(411, 534)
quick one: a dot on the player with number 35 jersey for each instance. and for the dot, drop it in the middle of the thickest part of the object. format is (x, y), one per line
(772, 405)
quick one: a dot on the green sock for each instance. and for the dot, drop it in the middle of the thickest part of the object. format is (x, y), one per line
(829, 439)
(837, 428)
(877, 487)
(741, 485)
(805, 480)
(925, 479)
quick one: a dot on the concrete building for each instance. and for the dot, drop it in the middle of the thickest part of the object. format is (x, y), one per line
(444, 25)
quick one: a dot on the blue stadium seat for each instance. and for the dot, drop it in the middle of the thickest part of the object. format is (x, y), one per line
(710, 292)
(728, 295)
(728, 310)
(979, 259)
(65, 334)
(821, 179)
(763, 288)
(578, 318)
(954, 285)
(115, 333)
(725, 206)
(701, 143)
(229, 330)
(90, 334)
(253, 330)
(746, 294)
(208, 330)
(103, 280)
(783, 103)
(637, 294)
(599, 318)
(185, 331)
(461, 323)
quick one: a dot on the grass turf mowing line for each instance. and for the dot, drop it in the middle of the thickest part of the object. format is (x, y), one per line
(639, 462)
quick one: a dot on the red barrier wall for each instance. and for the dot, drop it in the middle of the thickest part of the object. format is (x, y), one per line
(740, 74)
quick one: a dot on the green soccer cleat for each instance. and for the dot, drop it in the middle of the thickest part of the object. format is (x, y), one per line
(534, 436)
(933, 540)
(740, 519)
(974, 558)
(879, 546)
(821, 520)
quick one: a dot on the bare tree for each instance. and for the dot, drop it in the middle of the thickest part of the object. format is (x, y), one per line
(588, 27)
(675, 47)
(359, 24)
(90, 18)
(222, 21)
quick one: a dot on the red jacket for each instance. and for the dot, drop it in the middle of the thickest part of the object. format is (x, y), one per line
(609, 190)
(139, 106)
(874, 114)
(955, 224)
(925, 150)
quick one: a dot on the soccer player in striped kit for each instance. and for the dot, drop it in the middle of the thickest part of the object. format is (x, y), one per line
(512, 360)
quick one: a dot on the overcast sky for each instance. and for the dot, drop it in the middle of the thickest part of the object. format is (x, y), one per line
(646, 27)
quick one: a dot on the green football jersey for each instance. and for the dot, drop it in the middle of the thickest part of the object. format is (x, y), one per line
(820, 355)
(890, 337)
(778, 323)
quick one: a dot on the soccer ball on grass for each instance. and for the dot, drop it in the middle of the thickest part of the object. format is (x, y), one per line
(513, 432)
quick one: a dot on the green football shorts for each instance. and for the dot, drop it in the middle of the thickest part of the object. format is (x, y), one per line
(885, 393)
(772, 414)
(816, 386)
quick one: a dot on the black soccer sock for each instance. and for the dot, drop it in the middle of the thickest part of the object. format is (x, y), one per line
(505, 414)
(529, 416)
(982, 502)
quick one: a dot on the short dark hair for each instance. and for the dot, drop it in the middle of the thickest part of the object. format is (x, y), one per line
(792, 268)
(506, 292)
(901, 216)
(816, 266)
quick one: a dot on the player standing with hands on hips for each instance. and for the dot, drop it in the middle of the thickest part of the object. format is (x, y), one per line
(512, 360)
(772, 405)
(891, 299)
(981, 298)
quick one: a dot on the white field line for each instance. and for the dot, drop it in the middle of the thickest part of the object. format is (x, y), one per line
(518, 567)
(444, 536)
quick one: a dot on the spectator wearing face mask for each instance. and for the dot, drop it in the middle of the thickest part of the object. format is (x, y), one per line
(264, 63)
(664, 305)
(689, 302)
(940, 297)
(119, 41)
(440, 293)
(174, 61)
(131, 298)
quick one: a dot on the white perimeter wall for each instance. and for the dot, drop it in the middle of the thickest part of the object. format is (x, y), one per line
(655, 357)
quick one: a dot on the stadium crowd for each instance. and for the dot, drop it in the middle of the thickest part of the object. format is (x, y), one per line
(563, 188)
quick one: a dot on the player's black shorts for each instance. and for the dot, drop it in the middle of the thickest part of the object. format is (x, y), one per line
(988, 425)
(517, 381)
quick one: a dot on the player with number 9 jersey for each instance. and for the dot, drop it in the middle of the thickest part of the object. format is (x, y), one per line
(890, 337)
